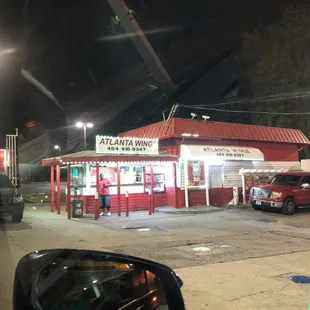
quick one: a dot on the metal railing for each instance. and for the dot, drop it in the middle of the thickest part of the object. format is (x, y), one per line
(11, 157)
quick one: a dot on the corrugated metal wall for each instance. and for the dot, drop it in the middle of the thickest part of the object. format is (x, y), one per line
(216, 176)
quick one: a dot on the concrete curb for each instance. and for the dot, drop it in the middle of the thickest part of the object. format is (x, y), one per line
(189, 211)
(238, 207)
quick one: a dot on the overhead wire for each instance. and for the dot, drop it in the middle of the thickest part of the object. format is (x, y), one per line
(277, 97)
(269, 99)
(242, 111)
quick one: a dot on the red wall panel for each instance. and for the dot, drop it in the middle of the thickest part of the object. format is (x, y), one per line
(218, 197)
(197, 198)
(171, 197)
(136, 202)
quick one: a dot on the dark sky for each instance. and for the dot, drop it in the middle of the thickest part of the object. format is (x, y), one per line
(67, 44)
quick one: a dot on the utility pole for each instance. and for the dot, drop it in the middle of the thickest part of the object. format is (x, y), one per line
(143, 45)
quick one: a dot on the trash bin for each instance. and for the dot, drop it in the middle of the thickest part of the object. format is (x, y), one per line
(77, 207)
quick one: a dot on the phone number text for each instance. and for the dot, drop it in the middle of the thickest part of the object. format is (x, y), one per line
(126, 149)
(230, 155)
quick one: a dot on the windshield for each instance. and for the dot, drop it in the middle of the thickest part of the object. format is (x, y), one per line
(5, 182)
(283, 179)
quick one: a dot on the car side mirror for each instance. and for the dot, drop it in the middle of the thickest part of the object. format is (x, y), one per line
(83, 279)
(305, 185)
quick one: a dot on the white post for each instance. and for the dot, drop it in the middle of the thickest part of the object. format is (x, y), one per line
(243, 188)
(7, 155)
(15, 159)
(186, 183)
(10, 159)
(207, 183)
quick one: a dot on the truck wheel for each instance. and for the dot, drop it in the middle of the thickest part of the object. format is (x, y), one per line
(256, 207)
(17, 218)
(289, 206)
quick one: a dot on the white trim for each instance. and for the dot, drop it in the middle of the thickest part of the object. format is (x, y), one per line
(244, 172)
(243, 189)
(186, 183)
(206, 168)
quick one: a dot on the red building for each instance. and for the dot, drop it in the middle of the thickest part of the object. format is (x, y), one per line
(179, 163)
(216, 145)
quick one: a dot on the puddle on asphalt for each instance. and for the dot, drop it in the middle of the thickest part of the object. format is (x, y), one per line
(286, 278)
(300, 279)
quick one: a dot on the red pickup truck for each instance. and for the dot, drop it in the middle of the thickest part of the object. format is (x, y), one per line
(285, 191)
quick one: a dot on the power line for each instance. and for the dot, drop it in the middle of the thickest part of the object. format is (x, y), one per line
(247, 112)
(304, 95)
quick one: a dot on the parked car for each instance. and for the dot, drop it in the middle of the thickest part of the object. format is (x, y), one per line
(285, 192)
(11, 200)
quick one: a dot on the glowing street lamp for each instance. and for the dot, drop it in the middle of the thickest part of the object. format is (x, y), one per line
(57, 147)
(84, 126)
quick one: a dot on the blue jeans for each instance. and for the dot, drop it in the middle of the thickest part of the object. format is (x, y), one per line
(104, 202)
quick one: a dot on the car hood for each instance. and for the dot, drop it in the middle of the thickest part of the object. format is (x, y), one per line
(275, 187)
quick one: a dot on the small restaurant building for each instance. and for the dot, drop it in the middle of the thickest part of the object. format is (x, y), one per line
(177, 163)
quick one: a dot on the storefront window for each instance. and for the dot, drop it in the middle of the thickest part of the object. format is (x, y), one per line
(134, 178)
(108, 171)
(196, 173)
(78, 176)
(131, 174)
(158, 181)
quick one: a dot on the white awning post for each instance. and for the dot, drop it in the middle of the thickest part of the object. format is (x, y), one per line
(207, 183)
(186, 183)
(243, 188)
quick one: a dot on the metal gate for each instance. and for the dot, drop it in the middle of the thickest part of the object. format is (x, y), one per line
(11, 157)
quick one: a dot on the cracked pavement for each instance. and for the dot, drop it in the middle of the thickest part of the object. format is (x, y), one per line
(249, 258)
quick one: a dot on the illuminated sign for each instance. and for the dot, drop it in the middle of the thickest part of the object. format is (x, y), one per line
(129, 146)
(220, 152)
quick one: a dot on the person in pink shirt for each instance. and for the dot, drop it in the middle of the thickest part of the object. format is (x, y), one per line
(104, 194)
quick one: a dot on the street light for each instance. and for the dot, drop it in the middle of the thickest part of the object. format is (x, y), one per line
(57, 147)
(84, 126)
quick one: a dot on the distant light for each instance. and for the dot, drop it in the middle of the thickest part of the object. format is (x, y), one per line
(90, 125)
(85, 288)
(190, 135)
(95, 281)
(8, 51)
(79, 124)
(56, 147)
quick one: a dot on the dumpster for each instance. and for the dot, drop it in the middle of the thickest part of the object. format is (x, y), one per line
(77, 207)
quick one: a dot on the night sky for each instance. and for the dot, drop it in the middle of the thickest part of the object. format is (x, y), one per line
(74, 49)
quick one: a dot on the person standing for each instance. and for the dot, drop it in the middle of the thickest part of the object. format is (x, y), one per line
(104, 194)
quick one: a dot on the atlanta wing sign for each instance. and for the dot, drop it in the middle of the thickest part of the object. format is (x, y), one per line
(130, 146)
